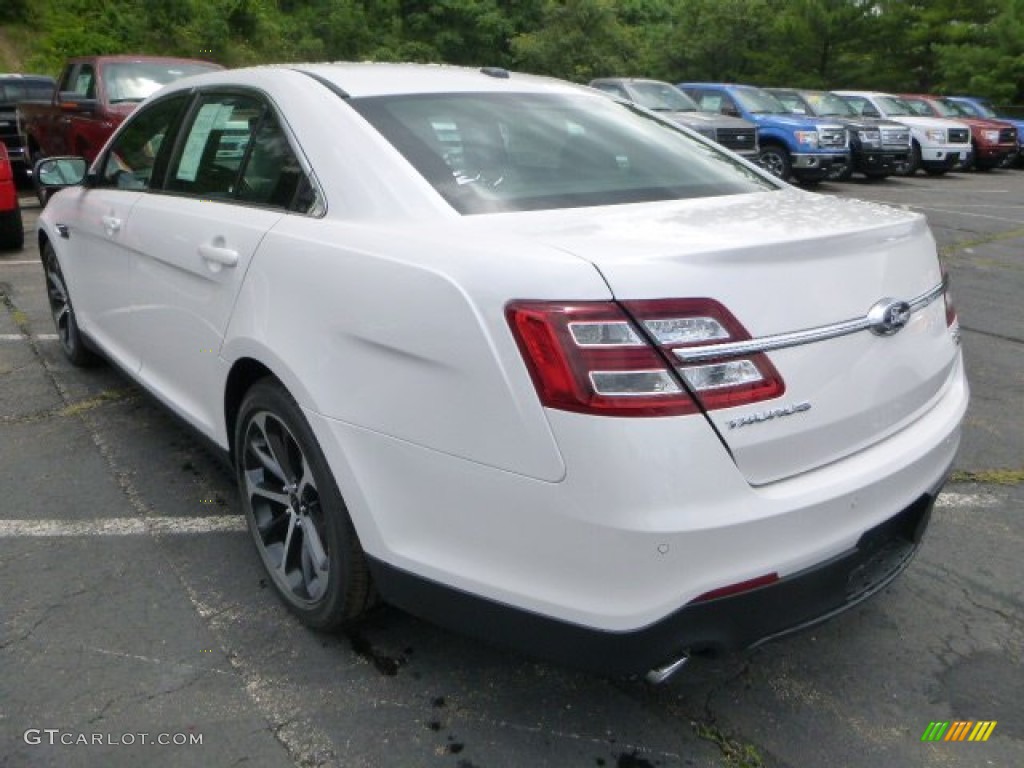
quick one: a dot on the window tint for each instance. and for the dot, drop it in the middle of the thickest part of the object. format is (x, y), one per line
(131, 162)
(85, 82)
(236, 149)
(14, 91)
(272, 174)
(506, 152)
(215, 145)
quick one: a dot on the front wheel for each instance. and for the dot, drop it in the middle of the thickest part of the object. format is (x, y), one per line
(72, 342)
(775, 160)
(914, 163)
(295, 512)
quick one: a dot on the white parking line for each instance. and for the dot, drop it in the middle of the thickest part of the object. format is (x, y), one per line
(137, 526)
(20, 262)
(959, 500)
(23, 337)
(121, 526)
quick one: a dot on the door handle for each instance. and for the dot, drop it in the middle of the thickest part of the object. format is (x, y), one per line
(215, 254)
(111, 224)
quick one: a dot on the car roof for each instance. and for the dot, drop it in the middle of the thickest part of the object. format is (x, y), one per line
(629, 80)
(127, 57)
(381, 79)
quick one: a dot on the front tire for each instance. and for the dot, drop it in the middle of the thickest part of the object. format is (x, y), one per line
(915, 160)
(72, 343)
(775, 160)
(296, 515)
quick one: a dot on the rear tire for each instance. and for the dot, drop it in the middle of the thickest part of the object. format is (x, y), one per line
(296, 514)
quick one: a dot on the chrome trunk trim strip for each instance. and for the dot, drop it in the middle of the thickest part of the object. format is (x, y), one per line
(799, 338)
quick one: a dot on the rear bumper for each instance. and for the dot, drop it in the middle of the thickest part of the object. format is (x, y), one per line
(602, 568)
(728, 623)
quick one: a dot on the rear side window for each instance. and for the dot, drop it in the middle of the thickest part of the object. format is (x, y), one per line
(236, 149)
(507, 152)
(214, 146)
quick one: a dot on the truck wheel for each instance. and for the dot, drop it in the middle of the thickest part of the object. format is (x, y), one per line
(775, 160)
(12, 231)
(915, 161)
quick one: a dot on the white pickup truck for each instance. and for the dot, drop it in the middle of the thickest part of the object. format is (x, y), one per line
(939, 144)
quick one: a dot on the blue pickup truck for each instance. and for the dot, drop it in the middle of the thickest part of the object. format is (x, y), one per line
(805, 148)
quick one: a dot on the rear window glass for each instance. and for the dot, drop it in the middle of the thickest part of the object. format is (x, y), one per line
(487, 153)
(12, 92)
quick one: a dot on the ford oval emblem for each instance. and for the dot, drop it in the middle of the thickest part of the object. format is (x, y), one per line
(888, 316)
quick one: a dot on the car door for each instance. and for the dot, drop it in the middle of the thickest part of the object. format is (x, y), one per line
(234, 175)
(101, 277)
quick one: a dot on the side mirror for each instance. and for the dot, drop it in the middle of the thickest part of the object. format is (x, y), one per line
(54, 173)
(70, 101)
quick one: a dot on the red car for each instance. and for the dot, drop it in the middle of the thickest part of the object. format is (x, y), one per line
(12, 232)
(994, 142)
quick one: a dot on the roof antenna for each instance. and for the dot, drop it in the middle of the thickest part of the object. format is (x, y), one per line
(498, 72)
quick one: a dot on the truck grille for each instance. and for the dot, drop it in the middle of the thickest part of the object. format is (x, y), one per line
(896, 137)
(830, 137)
(1008, 136)
(959, 135)
(737, 139)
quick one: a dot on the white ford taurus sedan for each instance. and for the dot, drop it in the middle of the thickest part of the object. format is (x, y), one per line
(517, 358)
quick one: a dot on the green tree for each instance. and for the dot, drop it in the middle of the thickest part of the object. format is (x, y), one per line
(717, 40)
(577, 40)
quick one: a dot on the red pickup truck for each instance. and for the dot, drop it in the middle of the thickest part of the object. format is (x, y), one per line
(94, 95)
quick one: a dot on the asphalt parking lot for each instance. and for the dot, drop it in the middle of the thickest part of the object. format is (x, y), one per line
(134, 610)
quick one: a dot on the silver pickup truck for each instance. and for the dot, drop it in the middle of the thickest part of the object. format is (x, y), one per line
(733, 133)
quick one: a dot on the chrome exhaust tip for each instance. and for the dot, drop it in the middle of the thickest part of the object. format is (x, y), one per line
(659, 675)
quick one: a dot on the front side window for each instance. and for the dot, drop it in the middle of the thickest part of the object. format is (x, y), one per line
(510, 152)
(132, 159)
(85, 82)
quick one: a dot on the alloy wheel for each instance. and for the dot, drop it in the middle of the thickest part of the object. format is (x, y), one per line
(287, 515)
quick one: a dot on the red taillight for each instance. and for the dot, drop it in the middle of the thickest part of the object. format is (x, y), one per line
(718, 382)
(589, 358)
(598, 357)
